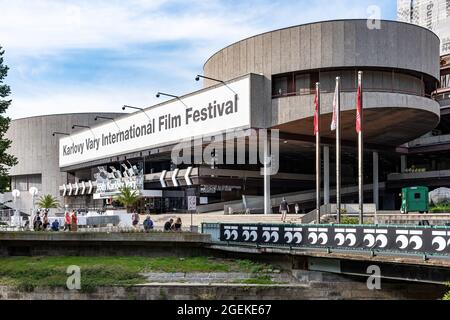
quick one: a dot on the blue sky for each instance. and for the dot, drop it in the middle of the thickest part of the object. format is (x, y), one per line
(88, 56)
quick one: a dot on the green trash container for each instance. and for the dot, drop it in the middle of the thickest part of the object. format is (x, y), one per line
(414, 199)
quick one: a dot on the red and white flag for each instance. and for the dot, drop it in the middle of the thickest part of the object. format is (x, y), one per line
(316, 112)
(358, 109)
(335, 101)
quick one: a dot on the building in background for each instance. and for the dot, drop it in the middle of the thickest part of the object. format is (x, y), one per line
(431, 14)
(426, 160)
(270, 83)
(271, 78)
(37, 150)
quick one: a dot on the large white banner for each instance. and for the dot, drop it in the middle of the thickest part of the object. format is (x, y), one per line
(204, 113)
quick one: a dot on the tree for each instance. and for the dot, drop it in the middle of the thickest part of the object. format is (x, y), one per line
(127, 197)
(6, 160)
(48, 202)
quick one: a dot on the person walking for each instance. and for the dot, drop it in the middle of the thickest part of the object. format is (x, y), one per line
(74, 222)
(45, 222)
(67, 221)
(37, 223)
(297, 208)
(284, 209)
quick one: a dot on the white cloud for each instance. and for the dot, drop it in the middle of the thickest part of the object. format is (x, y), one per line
(39, 34)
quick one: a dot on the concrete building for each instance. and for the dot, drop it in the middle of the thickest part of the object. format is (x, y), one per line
(267, 82)
(431, 14)
(36, 149)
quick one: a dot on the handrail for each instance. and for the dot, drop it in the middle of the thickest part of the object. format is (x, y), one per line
(312, 92)
(399, 239)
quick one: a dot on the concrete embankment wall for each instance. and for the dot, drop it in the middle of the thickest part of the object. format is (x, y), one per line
(102, 244)
(332, 287)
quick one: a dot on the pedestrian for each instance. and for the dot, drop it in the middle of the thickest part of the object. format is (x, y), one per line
(177, 225)
(135, 219)
(67, 221)
(297, 208)
(74, 222)
(284, 209)
(148, 224)
(37, 223)
(45, 222)
(168, 225)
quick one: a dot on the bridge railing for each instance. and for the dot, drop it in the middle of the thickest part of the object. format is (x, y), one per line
(399, 239)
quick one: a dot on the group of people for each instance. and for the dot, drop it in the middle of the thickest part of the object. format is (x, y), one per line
(173, 226)
(148, 223)
(70, 221)
(284, 209)
(40, 223)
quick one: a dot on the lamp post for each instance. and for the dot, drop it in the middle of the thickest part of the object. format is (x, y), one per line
(197, 78)
(136, 108)
(15, 220)
(56, 133)
(159, 94)
(33, 191)
(84, 127)
(107, 118)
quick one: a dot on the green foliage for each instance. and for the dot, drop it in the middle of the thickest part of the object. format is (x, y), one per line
(349, 220)
(440, 208)
(127, 197)
(6, 160)
(258, 280)
(48, 202)
(27, 273)
(447, 295)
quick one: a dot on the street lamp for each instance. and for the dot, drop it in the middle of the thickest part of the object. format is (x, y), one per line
(33, 192)
(107, 118)
(15, 220)
(197, 78)
(136, 108)
(159, 94)
(84, 127)
(62, 134)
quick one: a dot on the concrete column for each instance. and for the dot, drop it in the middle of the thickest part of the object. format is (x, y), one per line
(267, 169)
(326, 174)
(375, 179)
(402, 163)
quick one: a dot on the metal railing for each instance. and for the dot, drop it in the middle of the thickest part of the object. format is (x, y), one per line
(352, 90)
(400, 240)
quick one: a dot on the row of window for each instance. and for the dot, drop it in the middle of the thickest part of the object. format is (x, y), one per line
(24, 183)
(297, 83)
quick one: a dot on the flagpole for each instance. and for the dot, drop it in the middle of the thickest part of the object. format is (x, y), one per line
(338, 151)
(359, 105)
(318, 160)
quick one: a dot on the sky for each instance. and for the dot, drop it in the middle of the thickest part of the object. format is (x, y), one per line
(96, 55)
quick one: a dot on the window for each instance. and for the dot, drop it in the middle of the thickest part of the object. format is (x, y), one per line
(280, 86)
(303, 83)
(24, 183)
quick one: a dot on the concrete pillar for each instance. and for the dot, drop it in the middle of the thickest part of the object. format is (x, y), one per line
(267, 169)
(375, 179)
(403, 163)
(326, 174)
